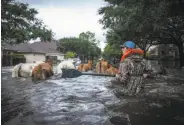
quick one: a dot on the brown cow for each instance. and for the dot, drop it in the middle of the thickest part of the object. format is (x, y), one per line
(102, 66)
(111, 70)
(85, 67)
(43, 70)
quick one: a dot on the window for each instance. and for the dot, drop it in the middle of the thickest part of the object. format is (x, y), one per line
(53, 58)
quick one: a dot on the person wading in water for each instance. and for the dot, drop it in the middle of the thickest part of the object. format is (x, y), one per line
(131, 69)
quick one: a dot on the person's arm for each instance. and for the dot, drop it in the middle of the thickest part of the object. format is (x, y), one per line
(123, 76)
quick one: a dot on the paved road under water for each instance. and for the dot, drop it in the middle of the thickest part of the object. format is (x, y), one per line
(90, 100)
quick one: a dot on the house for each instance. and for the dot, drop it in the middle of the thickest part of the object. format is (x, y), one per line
(164, 51)
(37, 51)
(49, 49)
(9, 57)
(30, 53)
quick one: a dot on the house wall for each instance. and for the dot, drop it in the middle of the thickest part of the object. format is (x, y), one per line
(59, 55)
(30, 57)
(162, 50)
(153, 50)
(169, 50)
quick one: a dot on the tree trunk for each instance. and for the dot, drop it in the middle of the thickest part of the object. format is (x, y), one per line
(92, 58)
(83, 58)
(181, 54)
(144, 55)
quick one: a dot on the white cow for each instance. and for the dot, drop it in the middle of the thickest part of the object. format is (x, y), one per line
(24, 69)
(66, 64)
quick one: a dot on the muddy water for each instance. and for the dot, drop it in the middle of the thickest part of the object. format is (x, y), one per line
(91, 100)
(76, 101)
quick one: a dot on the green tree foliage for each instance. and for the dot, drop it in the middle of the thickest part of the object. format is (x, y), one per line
(68, 44)
(146, 22)
(111, 51)
(19, 24)
(89, 36)
(70, 54)
(85, 45)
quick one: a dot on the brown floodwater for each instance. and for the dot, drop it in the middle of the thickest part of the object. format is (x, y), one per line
(91, 100)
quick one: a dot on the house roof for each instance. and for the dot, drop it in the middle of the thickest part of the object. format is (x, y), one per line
(23, 47)
(7, 48)
(36, 47)
(45, 47)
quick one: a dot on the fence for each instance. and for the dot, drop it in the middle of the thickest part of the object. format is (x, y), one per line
(11, 60)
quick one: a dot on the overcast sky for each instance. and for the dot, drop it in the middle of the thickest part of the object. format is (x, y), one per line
(68, 18)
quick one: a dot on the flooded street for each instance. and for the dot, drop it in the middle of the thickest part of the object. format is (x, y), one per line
(91, 100)
(76, 101)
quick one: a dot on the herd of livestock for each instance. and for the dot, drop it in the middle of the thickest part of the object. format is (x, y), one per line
(44, 70)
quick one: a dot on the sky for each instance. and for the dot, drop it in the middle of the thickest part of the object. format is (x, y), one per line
(68, 18)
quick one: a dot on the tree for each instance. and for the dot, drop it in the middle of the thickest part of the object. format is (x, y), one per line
(171, 28)
(145, 21)
(69, 44)
(89, 44)
(19, 23)
(70, 54)
(111, 51)
(83, 46)
(83, 36)
(173, 33)
(89, 36)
